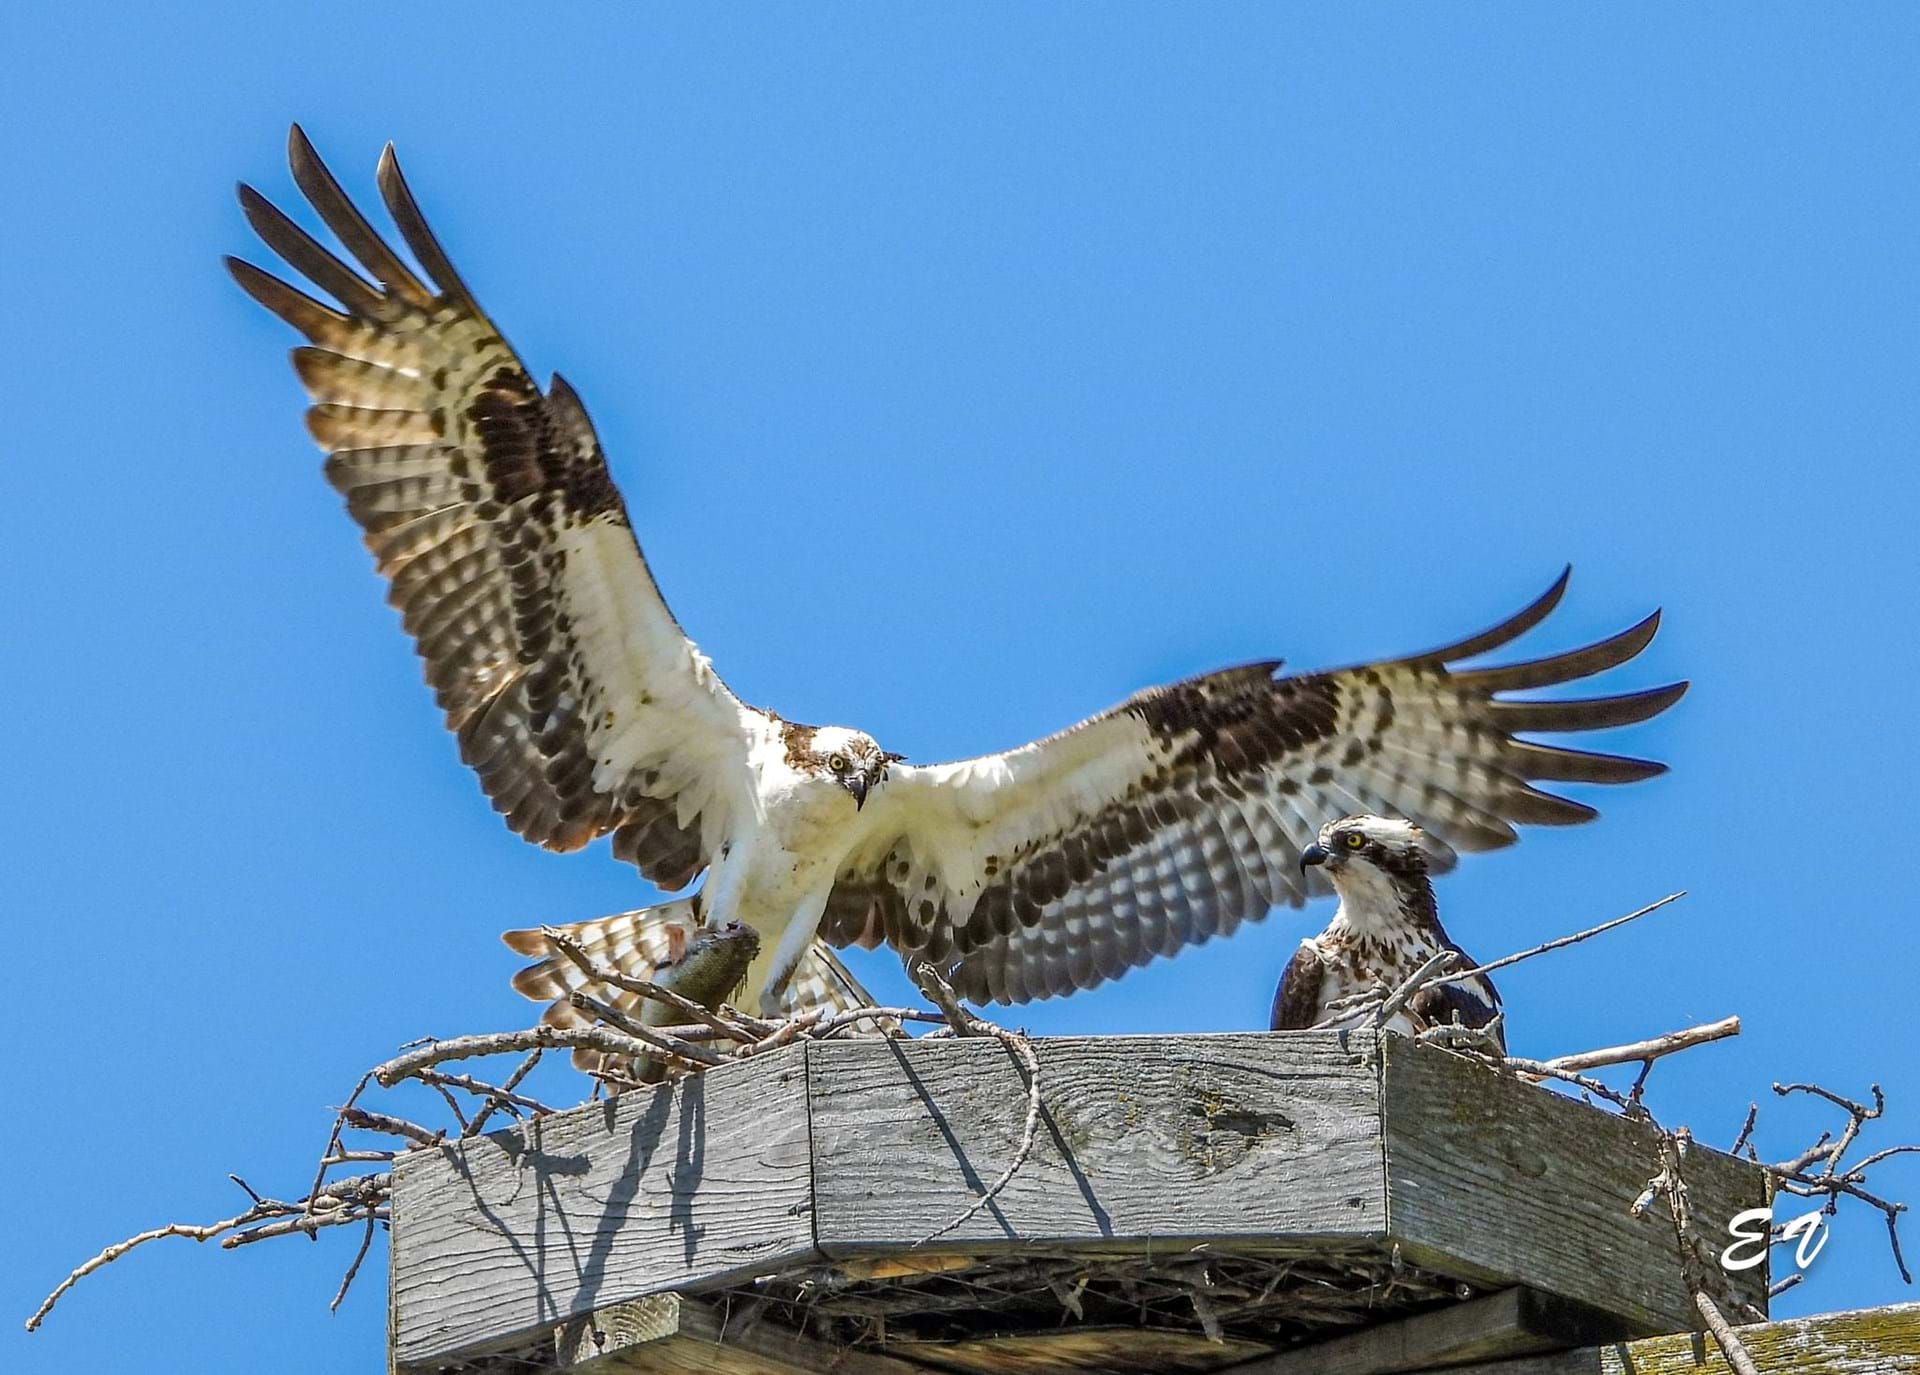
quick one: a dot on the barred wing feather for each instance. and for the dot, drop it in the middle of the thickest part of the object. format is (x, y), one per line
(1181, 813)
(488, 507)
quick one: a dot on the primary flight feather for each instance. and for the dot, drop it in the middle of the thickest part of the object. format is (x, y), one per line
(587, 712)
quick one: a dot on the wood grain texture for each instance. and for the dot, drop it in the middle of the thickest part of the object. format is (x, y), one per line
(1512, 1322)
(1145, 1142)
(1495, 1179)
(669, 1334)
(693, 1182)
(1300, 1143)
(1866, 1341)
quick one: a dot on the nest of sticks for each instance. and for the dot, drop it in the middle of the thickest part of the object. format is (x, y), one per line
(1268, 1300)
(1272, 1299)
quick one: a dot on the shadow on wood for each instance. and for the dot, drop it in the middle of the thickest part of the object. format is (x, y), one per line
(1264, 1190)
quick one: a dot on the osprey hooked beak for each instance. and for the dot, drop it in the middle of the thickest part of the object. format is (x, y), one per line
(857, 785)
(1313, 855)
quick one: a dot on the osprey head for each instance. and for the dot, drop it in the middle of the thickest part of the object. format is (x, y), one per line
(1370, 845)
(849, 757)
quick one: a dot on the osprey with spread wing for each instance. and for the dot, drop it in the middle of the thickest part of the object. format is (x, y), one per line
(587, 712)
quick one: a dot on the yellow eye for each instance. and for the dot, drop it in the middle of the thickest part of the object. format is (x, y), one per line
(837, 762)
(1353, 840)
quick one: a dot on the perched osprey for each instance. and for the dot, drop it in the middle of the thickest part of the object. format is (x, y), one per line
(587, 712)
(1387, 926)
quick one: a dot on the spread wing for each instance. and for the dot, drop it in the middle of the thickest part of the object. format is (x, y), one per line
(1182, 812)
(488, 507)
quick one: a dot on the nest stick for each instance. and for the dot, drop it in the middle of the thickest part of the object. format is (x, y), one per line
(1029, 1131)
(602, 972)
(433, 1053)
(1651, 1049)
(1562, 941)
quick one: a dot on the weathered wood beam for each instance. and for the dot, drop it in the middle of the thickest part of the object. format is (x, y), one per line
(1144, 1141)
(669, 1334)
(1502, 1182)
(1866, 1341)
(1514, 1322)
(1301, 1143)
(695, 1182)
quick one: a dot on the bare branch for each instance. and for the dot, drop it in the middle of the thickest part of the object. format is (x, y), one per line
(332, 1147)
(781, 1036)
(1724, 1336)
(1562, 941)
(346, 1280)
(335, 1203)
(940, 993)
(480, 1088)
(362, 1120)
(662, 1043)
(496, 1097)
(602, 972)
(1028, 1132)
(194, 1231)
(1649, 1050)
(1436, 963)
(503, 1042)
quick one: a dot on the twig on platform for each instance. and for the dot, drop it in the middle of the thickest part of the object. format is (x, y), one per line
(662, 1043)
(1029, 1131)
(1437, 963)
(601, 972)
(940, 993)
(780, 1036)
(362, 1120)
(1560, 942)
(1650, 1049)
(840, 1021)
(504, 1096)
(496, 1097)
(502, 1042)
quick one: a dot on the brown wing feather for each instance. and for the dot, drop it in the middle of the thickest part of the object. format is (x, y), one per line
(488, 506)
(1182, 812)
(1470, 1003)
(1296, 1002)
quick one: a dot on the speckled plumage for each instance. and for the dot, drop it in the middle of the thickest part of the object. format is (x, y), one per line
(1386, 927)
(587, 712)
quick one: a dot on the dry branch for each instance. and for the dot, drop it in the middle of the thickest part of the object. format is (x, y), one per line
(1797, 1177)
(662, 1042)
(336, 1204)
(502, 1042)
(715, 1036)
(1562, 942)
(1028, 1132)
(733, 1027)
(1653, 1049)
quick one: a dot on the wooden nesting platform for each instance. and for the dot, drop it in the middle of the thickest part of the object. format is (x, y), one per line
(1191, 1203)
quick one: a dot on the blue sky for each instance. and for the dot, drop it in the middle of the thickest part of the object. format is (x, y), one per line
(1139, 341)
